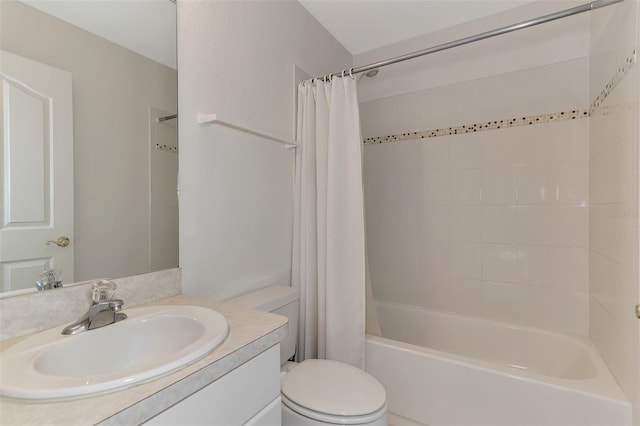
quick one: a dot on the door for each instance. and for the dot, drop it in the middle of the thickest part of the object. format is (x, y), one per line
(36, 161)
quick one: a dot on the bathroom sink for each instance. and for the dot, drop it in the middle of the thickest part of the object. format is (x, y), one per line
(152, 341)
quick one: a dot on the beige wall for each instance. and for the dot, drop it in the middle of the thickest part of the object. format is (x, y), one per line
(236, 59)
(113, 89)
(613, 192)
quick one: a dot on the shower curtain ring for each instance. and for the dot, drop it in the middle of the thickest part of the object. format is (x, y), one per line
(342, 73)
(351, 72)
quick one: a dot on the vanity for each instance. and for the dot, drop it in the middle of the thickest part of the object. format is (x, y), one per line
(237, 383)
(120, 226)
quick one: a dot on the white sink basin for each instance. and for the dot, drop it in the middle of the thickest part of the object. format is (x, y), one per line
(151, 342)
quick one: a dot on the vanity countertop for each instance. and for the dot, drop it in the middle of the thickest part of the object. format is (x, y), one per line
(250, 333)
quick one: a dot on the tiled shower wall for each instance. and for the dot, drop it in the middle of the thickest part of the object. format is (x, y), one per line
(614, 182)
(491, 223)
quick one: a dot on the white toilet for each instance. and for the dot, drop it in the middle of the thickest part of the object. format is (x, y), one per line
(317, 392)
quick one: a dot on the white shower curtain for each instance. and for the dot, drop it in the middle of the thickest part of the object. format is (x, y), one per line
(328, 259)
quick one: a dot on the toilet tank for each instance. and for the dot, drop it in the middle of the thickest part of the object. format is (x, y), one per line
(277, 299)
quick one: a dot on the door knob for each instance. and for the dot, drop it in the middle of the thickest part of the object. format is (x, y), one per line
(60, 242)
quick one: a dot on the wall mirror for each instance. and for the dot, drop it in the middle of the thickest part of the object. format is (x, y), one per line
(89, 160)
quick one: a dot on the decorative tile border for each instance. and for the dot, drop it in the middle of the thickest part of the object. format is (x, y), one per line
(478, 127)
(515, 122)
(618, 76)
(168, 148)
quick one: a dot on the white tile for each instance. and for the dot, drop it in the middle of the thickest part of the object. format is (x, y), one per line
(536, 225)
(379, 227)
(466, 296)
(466, 223)
(436, 295)
(388, 116)
(535, 143)
(407, 174)
(435, 154)
(612, 178)
(464, 151)
(405, 223)
(574, 229)
(617, 346)
(537, 184)
(574, 146)
(499, 263)
(605, 278)
(380, 258)
(436, 222)
(432, 113)
(502, 301)
(627, 28)
(556, 267)
(405, 273)
(608, 172)
(368, 119)
(607, 130)
(499, 185)
(610, 230)
(465, 187)
(499, 147)
(382, 290)
(435, 262)
(597, 228)
(614, 283)
(465, 260)
(611, 187)
(553, 225)
(557, 309)
(499, 224)
(386, 249)
(615, 292)
(378, 174)
(573, 183)
(435, 187)
(554, 87)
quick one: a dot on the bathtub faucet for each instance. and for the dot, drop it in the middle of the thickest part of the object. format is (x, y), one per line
(103, 311)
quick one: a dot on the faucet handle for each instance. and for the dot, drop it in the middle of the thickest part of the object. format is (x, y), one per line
(102, 290)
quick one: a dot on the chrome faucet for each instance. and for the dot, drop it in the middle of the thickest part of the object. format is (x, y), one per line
(103, 311)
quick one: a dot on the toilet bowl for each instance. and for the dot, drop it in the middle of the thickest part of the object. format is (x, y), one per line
(317, 392)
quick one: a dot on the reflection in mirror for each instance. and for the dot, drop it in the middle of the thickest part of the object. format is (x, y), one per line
(86, 154)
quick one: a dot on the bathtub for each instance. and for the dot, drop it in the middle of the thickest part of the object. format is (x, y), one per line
(446, 369)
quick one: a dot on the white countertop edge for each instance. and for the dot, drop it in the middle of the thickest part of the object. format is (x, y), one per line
(172, 394)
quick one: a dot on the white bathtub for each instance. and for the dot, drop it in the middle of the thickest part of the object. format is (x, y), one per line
(444, 369)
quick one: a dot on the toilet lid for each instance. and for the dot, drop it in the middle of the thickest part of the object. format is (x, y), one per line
(333, 388)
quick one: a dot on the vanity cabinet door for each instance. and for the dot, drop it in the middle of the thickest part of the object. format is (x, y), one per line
(269, 416)
(247, 394)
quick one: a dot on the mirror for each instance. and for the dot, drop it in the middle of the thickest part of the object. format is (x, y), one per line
(121, 168)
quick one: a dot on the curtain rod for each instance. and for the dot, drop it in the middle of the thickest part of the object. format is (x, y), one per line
(471, 39)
